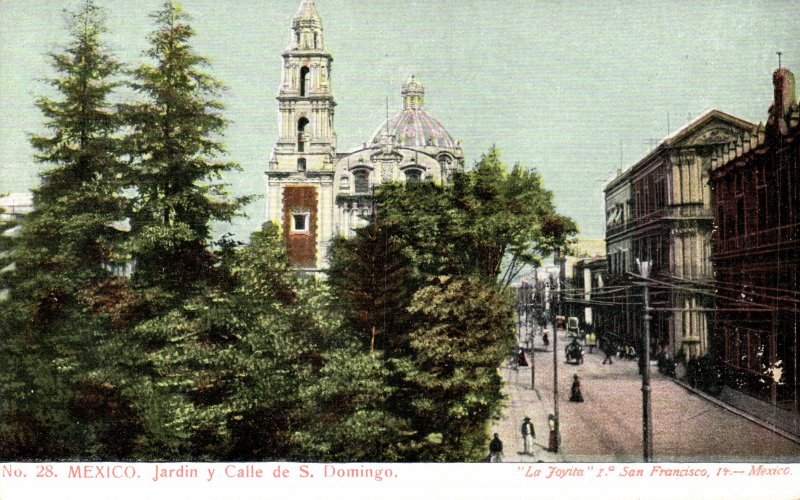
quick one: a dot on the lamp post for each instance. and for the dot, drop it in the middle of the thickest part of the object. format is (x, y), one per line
(529, 336)
(554, 424)
(647, 411)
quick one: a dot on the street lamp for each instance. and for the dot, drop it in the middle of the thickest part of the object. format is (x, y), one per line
(553, 298)
(647, 411)
(529, 336)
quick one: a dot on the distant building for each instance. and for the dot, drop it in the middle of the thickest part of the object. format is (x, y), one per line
(315, 192)
(659, 210)
(756, 203)
(581, 271)
(14, 206)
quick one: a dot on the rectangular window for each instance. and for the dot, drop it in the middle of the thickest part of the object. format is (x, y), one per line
(785, 200)
(740, 227)
(300, 223)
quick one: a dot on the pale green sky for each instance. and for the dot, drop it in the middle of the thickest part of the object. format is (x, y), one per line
(555, 85)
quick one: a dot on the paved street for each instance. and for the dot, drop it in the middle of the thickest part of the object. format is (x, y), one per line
(608, 425)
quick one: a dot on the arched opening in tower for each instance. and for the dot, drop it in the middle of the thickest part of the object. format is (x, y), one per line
(305, 80)
(301, 128)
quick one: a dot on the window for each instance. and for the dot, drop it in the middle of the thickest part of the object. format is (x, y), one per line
(315, 40)
(301, 164)
(660, 194)
(413, 175)
(361, 181)
(301, 129)
(305, 80)
(740, 226)
(300, 223)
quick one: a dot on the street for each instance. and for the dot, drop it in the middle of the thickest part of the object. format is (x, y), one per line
(607, 426)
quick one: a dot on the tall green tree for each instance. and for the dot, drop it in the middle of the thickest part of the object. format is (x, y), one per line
(373, 281)
(56, 343)
(192, 318)
(176, 132)
(452, 385)
(512, 218)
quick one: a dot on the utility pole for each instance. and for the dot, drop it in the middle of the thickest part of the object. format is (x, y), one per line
(555, 439)
(647, 410)
(529, 336)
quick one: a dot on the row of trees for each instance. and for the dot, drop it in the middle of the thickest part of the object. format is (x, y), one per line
(220, 352)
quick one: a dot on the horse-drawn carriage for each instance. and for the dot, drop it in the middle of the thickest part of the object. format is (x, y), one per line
(574, 352)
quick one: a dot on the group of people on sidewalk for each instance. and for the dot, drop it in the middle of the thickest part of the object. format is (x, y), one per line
(529, 432)
(528, 435)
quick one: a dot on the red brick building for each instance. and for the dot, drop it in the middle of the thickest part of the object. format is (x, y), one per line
(755, 197)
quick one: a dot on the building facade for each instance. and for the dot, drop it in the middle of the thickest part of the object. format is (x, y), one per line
(754, 181)
(581, 275)
(315, 192)
(659, 210)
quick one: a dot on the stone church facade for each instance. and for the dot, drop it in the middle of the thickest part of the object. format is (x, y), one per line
(315, 192)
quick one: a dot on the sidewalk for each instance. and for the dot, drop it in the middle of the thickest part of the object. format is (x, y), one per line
(523, 402)
(779, 421)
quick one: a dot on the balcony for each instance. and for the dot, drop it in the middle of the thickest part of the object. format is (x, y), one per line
(759, 239)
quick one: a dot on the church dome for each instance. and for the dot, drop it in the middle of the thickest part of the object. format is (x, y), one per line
(413, 126)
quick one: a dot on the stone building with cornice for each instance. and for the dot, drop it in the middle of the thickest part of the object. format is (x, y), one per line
(659, 210)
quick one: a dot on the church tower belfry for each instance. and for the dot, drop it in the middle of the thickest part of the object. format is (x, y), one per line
(305, 98)
(301, 169)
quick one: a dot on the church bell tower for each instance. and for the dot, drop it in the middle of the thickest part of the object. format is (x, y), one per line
(301, 169)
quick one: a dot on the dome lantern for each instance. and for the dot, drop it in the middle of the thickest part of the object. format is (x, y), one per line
(413, 94)
(413, 126)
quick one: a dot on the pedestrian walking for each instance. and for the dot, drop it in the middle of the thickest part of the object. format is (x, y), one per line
(545, 339)
(528, 435)
(608, 350)
(521, 361)
(496, 449)
(575, 393)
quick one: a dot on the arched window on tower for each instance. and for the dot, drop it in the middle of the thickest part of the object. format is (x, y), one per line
(301, 129)
(315, 40)
(301, 164)
(305, 80)
(361, 181)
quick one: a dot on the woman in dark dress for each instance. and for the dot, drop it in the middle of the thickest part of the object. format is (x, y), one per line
(575, 393)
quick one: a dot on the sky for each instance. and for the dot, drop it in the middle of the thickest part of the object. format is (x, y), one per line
(576, 90)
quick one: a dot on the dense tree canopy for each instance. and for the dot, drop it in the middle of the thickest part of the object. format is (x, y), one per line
(423, 287)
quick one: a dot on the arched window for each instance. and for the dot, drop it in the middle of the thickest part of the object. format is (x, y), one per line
(301, 128)
(315, 40)
(361, 181)
(413, 175)
(305, 80)
(301, 164)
